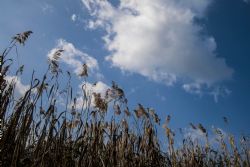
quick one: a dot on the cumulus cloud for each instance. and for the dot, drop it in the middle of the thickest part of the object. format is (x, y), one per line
(98, 87)
(75, 58)
(20, 88)
(160, 40)
(73, 17)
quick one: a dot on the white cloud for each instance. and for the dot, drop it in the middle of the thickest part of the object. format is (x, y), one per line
(220, 92)
(99, 87)
(73, 17)
(75, 58)
(197, 135)
(194, 134)
(160, 40)
(193, 88)
(201, 89)
(20, 88)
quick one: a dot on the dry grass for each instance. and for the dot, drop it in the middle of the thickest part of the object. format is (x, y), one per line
(38, 132)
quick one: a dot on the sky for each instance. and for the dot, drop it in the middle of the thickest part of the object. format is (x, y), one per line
(184, 58)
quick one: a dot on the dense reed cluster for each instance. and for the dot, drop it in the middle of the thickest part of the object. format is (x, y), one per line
(39, 131)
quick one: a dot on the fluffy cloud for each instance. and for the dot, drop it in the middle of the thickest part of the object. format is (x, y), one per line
(75, 58)
(73, 17)
(160, 40)
(20, 88)
(98, 87)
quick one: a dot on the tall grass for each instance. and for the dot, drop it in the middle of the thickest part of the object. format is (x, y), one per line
(37, 131)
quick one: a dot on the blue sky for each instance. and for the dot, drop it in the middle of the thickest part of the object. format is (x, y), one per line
(185, 58)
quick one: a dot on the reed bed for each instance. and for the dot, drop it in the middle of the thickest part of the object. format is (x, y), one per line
(38, 132)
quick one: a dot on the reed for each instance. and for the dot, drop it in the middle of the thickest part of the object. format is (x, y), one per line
(38, 132)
